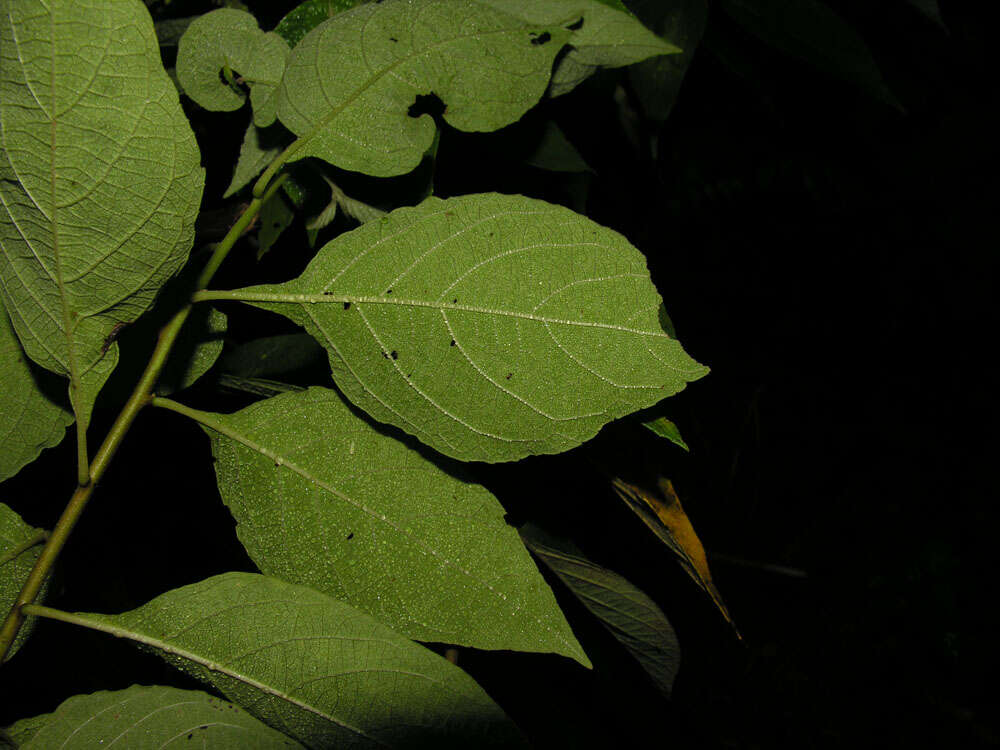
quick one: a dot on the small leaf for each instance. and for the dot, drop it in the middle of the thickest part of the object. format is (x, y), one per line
(311, 667)
(148, 717)
(322, 499)
(307, 16)
(29, 421)
(666, 518)
(657, 81)
(260, 147)
(352, 110)
(631, 616)
(273, 355)
(666, 429)
(556, 154)
(196, 350)
(812, 32)
(356, 209)
(609, 36)
(99, 212)
(20, 546)
(519, 327)
(228, 39)
(275, 217)
(325, 217)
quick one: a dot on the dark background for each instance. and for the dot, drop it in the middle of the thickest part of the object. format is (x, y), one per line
(833, 260)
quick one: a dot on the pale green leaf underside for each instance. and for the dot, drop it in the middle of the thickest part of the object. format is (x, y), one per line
(323, 499)
(311, 667)
(666, 429)
(630, 615)
(195, 352)
(14, 534)
(148, 717)
(490, 327)
(610, 37)
(231, 38)
(99, 180)
(29, 421)
(350, 82)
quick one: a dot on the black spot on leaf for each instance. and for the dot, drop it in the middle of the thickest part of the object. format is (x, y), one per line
(394, 354)
(388, 291)
(347, 305)
(453, 342)
(542, 38)
(509, 374)
(350, 536)
(455, 301)
(576, 25)
(393, 39)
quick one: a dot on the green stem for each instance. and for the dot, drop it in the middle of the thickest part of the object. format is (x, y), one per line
(141, 395)
(37, 538)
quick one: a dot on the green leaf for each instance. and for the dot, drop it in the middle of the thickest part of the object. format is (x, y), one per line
(149, 717)
(666, 429)
(275, 217)
(632, 617)
(610, 36)
(228, 39)
(20, 546)
(352, 109)
(311, 667)
(307, 16)
(23, 730)
(260, 147)
(812, 32)
(273, 355)
(100, 181)
(29, 420)
(357, 210)
(323, 499)
(490, 327)
(196, 350)
(657, 81)
(555, 153)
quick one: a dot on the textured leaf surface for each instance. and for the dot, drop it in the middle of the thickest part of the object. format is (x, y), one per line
(99, 180)
(149, 717)
(16, 560)
(307, 16)
(29, 420)
(276, 215)
(810, 31)
(657, 81)
(323, 499)
(231, 38)
(24, 729)
(259, 149)
(490, 327)
(609, 37)
(631, 616)
(351, 81)
(196, 350)
(314, 668)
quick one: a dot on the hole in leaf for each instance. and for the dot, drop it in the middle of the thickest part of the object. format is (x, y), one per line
(350, 536)
(426, 104)
(347, 305)
(576, 25)
(542, 38)
(393, 39)
(394, 354)
(453, 342)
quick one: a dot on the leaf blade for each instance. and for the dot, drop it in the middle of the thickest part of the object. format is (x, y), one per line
(18, 554)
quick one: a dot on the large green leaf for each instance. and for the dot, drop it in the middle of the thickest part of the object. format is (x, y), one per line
(228, 38)
(323, 499)
(148, 717)
(29, 420)
(609, 36)
(312, 667)
(351, 82)
(631, 616)
(99, 181)
(811, 31)
(491, 327)
(20, 546)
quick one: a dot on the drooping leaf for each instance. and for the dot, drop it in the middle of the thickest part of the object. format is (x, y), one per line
(29, 420)
(490, 327)
(609, 36)
(307, 16)
(323, 499)
(352, 109)
(311, 667)
(657, 81)
(196, 350)
(631, 616)
(273, 355)
(666, 429)
(811, 31)
(148, 717)
(555, 153)
(20, 546)
(230, 40)
(260, 147)
(99, 179)
(275, 217)
(665, 517)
